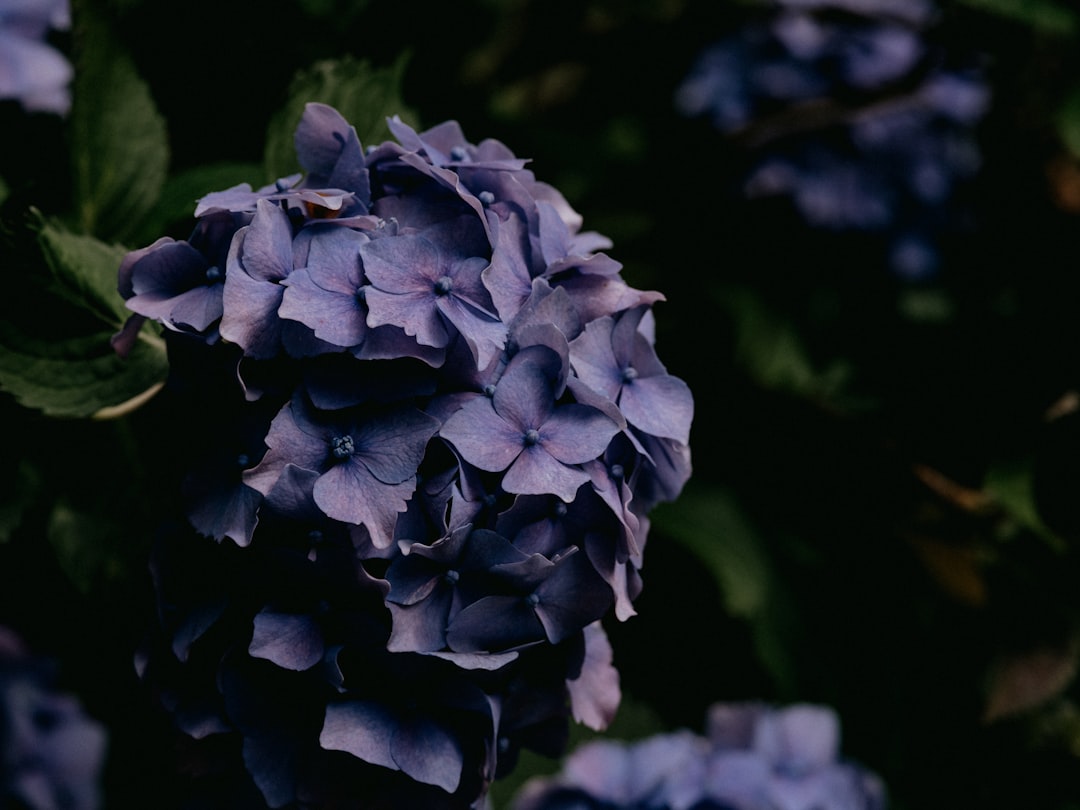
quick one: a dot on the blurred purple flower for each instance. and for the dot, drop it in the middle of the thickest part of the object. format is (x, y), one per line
(51, 753)
(849, 109)
(33, 72)
(753, 757)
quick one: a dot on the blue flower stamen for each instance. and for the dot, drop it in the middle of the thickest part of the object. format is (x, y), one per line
(444, 285)
(342, 447)
(452, 576)
(486, 197)
(531, 437)
(458, 153)
(629, 374)
(213, 275)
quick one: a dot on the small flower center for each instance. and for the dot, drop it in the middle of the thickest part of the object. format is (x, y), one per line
(242, 460)
(533, 599)
(486, 197)
(559, 509)
(342, 447)
(629, 374)
(452, 576)
(361, 294)
(617, 471)
(489, 390)
(531, 437)
(444, 285)
(458, 153)
(213, 275)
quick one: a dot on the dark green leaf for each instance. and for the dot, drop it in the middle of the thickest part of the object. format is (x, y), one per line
(120, 152)
(1068, 122)
(55, 354)
(1048, 16)
(87, 546)
(20, 492)
(366, 96)
(180, 193)
(772, 352)
(712, 525)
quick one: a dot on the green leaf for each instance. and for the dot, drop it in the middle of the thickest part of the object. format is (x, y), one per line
(366, 96)
(181, 192)
(1010, 484)
(55, 354)
(88, 547)
(1068, 122)
(772, 352)
(20, 491)
(119, 146)
(1046, 16)
(715, 528)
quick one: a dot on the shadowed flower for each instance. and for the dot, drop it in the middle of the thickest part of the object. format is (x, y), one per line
(51, 753)
(416, 507)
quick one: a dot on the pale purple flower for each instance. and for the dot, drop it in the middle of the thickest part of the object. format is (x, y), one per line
(32, 71)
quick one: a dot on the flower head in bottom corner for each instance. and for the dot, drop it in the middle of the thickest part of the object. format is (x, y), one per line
(51, 752)
(752, 757)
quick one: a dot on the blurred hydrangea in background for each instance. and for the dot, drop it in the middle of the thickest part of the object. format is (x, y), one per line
(753, 757)
(850, 109)
(51, 753)
(33, 71)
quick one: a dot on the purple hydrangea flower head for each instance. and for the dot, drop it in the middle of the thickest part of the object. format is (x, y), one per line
(848, 109)
(31, 71)
(752, 757)
(51, 753)
(427, 424)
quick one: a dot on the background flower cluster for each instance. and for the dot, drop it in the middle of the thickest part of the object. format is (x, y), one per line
(862, 216)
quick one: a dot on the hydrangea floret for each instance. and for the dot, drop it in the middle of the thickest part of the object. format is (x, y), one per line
(753, 756)
(425, 422)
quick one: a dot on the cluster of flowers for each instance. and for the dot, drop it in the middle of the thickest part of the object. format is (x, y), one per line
(853, 114)
(32, 72)
(428, 413)
(753, 757)
(51, 752)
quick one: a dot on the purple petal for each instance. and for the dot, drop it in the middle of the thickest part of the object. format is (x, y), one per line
(362, 728)
(661, 406)
(482, 437)
(595, 694)
(289, 640)
(425, 751)
(535, 472)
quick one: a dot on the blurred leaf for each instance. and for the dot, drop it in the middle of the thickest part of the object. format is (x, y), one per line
(712, 525)
(1021, 682)
(19, 494)
(1010, 485)
(1068, 122)
(181, 191)
(1047, 16)
(55, 354)
(771, 351)
(87, 547)
(120, 153)
(364, 95)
